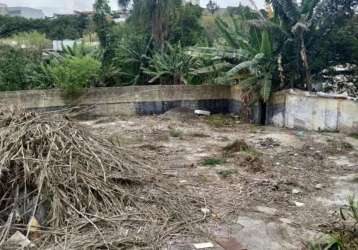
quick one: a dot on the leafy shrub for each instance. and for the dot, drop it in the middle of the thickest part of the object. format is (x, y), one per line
(30, 40)
(17, 68)
(73, 73)
(131, 57)
(172, 67)
(342, 234)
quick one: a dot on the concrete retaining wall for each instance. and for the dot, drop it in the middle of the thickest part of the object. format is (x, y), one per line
(313, 111)
(142, 100)
(290, 108)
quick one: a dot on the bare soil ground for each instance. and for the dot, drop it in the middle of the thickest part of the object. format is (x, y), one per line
(276, 192)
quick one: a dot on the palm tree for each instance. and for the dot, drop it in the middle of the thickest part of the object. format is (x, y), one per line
(124, 4)
(154, 15)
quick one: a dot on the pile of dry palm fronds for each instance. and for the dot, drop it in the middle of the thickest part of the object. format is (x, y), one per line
(84, 192)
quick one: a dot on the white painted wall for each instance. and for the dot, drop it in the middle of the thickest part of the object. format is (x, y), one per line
(303, 110)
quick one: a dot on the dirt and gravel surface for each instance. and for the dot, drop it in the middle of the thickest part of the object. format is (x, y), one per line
(277, 193)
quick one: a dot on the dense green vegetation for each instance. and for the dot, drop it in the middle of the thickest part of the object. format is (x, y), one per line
(168, 42)
(59, 28)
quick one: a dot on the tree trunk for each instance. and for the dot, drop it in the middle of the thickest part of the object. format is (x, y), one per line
(304, 58)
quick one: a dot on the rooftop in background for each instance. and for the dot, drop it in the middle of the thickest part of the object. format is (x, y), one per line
(117, 15)
(26, 12)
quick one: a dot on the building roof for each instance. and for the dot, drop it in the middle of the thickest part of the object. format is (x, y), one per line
(26, 12)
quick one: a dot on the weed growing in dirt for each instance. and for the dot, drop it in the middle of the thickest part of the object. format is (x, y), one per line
(354, 135)
(239, 146)
(177, 133)
(342, 234)
(226, 173)
(199, 135)
(338, 146)
(220, 120)
(213, 161)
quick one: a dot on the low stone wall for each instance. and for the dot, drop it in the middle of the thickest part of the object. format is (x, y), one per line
(142, 100)
(290, 108)
(313, 111)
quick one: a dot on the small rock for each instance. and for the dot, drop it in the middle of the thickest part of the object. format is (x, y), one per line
(266, 210)
(296, 191)
(183, 181)
(19, 239)
(299, 204)
(319, 186)
(230, 244)
(205, 210)
(286, 221)
(204, 245)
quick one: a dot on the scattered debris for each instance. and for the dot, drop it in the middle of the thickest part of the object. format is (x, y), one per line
(205, 210)
(204, 245)
(199, 135)
(286, 221)
(299, 204)
(179, 113)
(99, 194)
(338, 146)
(34, 228)
(220, 120)
(226, 173)
(202, 112)
(296, 191)
(18, 240)
(230, 244)
(269, 142)
(266, 210)
(237, 146)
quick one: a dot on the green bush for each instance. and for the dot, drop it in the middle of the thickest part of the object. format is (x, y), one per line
(73, 73)
(17, 67)
(30, 40)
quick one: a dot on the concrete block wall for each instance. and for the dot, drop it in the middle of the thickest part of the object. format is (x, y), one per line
(289, 108)
(142, 100)
(313, 111)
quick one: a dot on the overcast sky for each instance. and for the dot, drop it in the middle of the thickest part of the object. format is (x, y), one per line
(70, 5)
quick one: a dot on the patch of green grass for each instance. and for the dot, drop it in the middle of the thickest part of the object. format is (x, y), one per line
(212, 161)
(342, 234)
(226, 173)
(176, 133)
(354, 135)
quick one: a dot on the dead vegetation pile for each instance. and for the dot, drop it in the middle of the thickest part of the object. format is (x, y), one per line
(84, 192)
(245, 155)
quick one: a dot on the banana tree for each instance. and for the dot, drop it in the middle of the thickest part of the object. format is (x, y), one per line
(174, 66)
(305, 24)
(244, 56)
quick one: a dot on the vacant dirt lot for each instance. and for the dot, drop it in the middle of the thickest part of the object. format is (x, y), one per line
(277, 191)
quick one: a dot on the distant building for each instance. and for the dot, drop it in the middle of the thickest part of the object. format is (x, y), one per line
(194, 2)
(25, 12)
(3, 9)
